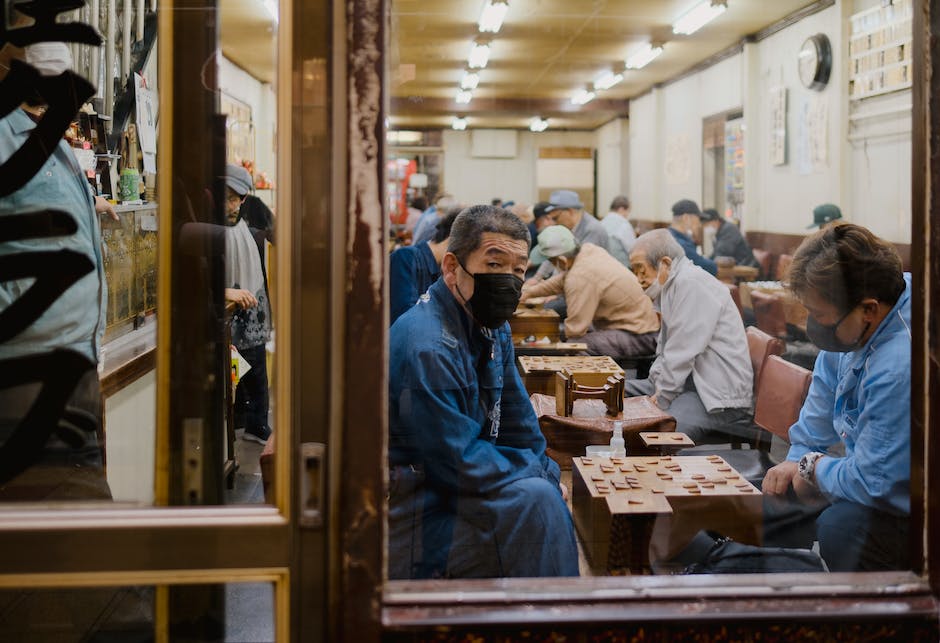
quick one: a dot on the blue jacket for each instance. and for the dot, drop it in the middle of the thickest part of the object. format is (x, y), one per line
(863, 399)
(472, 493)
(691, 252)
(457, 406)
(76, 320)
(412, 270)
(425, 227)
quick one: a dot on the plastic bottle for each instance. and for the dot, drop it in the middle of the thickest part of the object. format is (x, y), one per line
(617, 447)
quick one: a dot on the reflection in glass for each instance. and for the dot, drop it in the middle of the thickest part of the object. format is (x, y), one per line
(237, 612)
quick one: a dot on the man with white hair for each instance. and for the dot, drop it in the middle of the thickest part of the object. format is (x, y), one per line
(702, 374)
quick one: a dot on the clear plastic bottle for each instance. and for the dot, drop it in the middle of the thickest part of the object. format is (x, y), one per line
(617, 447)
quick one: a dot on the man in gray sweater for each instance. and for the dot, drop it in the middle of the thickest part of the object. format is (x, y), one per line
(702, 374)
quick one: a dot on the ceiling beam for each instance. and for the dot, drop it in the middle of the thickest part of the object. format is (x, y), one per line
(544, 107)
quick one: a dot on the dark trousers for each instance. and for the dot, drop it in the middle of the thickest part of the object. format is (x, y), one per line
(251, 394)
(852, 537)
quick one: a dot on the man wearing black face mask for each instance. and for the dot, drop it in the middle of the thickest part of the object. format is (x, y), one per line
(856, 505)
(472, 492)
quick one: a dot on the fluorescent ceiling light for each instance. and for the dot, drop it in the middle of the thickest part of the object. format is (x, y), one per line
(470, 80)
(582, 96)
(699, 16)
(271, 7)
(463, 96)
(607, 80)
(538, 124)
(459, 123)
(479, 55)
(493, 14)
(643, 56)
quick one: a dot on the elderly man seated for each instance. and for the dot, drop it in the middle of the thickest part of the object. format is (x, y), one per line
(472, 492)
(601, 292)
(702, 374)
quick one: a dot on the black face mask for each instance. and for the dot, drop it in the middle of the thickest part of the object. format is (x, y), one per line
(825, 336)
(495, 297)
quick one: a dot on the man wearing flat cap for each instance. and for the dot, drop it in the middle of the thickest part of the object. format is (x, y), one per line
(565, 208)
(686, 229)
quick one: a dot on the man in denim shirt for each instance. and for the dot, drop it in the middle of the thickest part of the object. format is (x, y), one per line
(68, 463)
(856, 504)
(472, 491)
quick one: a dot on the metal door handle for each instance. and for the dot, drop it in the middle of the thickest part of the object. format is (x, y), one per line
(312, 483)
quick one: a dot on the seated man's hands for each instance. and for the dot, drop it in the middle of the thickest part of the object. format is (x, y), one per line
(780, 477)
(564, 491)
(241, 297)
(103, 206)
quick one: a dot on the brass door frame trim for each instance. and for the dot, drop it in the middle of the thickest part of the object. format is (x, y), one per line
(162, 577)
(99, 517)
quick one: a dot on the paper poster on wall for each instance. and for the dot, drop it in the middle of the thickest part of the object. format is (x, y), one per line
(778, 125)
(146, 116)
(812, 138)
(678, 161)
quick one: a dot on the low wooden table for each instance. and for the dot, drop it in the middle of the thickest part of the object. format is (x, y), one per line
(793, 310)
(568, 437)
(635, 510)
(538, 371)
(538, 323)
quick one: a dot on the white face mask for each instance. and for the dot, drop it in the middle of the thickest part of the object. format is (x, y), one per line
(655, 289)
(49, 58)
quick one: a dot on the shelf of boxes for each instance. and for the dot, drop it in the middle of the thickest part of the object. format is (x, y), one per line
(880, 50)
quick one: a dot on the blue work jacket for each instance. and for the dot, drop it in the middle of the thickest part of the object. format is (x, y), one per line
(412, 270)
(863, 399)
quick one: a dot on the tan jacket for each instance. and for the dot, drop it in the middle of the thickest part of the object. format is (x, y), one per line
(599, 289)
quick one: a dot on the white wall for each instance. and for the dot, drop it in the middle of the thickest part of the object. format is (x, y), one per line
(478, 180)
(130, 439)
(236, 82)
(613, 147)
(867, 171)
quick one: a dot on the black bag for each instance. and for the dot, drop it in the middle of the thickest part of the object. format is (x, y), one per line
(729, 557)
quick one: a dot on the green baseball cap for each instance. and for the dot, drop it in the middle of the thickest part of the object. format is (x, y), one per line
(554, 241)
(823, 214)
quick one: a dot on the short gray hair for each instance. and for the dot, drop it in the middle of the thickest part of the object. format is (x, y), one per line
(469, 226)
(658, 244)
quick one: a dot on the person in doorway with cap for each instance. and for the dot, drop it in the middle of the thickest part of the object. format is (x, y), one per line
(565, 208)
(607, 308)
(728, 240)
(246, 286)
(686, 229)
(825, 214)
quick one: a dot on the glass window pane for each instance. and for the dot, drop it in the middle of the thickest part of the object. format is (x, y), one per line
(79, 289)
(236, 612)
(697, 348)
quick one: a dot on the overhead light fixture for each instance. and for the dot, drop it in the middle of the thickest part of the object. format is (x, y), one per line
(479, 55)
(493, 14)
(538, 124)
(470, 80)
(463, 96)
(583, 96)
(607, 80)
(699, 16)
(271, 7)
(459, 123)
(643, 56)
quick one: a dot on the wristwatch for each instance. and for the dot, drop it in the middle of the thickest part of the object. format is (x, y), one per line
(807, 466)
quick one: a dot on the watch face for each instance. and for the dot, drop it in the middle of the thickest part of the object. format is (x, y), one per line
(808, 62)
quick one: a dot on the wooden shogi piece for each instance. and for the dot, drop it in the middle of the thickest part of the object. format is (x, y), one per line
(666, 443)
(587, 386)
(630, 510)
(538, 323)
(538, 371)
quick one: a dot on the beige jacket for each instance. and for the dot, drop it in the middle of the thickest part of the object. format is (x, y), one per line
(598, 289)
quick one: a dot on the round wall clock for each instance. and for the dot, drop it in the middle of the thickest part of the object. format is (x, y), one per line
(815, 61)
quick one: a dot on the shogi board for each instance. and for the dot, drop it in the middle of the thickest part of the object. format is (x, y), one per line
(538, 372)
(629, 511)
(537, 323)
(666, 442)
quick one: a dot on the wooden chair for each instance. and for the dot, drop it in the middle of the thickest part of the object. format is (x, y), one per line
(783, 265)
(736, 297)
(780, 395)
(769, 312)
(764, 258)
(760, 345)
